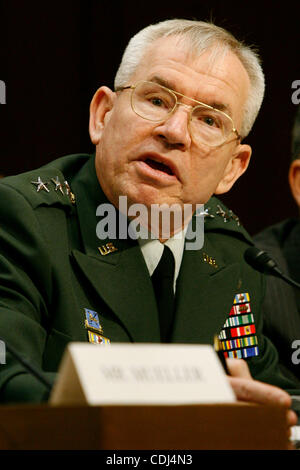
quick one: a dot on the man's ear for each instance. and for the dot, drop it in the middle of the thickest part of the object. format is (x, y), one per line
(236, 166)
(294, 180)
(101, 104)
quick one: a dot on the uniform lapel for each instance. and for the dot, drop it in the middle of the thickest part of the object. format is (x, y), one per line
(207, 284)
(121, 277)
(205, 293)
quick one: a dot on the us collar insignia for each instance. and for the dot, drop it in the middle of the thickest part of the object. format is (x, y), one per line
(107, 249)
(95, 330)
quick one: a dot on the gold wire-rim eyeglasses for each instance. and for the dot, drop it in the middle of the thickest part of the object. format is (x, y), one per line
(177, 103)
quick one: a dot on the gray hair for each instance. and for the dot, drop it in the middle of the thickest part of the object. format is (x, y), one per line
(200, 36)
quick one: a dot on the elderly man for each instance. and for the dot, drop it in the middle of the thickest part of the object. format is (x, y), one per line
(282, 302)
(186, 93)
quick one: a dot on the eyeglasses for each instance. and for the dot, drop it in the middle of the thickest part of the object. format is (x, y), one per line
(156, 103)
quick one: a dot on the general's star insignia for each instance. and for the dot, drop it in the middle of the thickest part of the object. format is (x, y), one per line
(234, 217)
(205, 214)
(227, 215)
(58, 185)
(40, 185)
(222, 213)
(69, 192)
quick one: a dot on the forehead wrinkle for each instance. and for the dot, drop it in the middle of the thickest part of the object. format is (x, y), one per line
(170, 84)
(164, 82)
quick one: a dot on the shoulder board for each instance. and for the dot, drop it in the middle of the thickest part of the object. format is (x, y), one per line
(46, 186)
(49, 184)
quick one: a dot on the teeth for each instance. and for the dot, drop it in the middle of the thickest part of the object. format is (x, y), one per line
(159, 166)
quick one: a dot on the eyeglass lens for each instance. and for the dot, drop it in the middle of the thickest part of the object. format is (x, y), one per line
(153, 102)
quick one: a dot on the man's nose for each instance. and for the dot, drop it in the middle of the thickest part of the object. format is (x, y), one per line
(174, 131)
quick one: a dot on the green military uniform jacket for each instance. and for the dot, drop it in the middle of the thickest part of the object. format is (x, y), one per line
(51, 270)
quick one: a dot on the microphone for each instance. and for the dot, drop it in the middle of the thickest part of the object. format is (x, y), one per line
(29, 367)
(261, 261)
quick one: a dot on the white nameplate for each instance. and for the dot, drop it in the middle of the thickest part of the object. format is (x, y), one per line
(156, 374)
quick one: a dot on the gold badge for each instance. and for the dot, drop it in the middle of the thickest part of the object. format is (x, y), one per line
(210, 260)
(107, 249)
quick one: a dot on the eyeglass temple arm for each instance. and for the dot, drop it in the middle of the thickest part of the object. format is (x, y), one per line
(121, 88)
(238, 136)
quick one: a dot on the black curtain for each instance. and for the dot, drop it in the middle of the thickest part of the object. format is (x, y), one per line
(54, 55)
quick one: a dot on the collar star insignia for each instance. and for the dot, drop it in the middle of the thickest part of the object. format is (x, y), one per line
(228, 215)
(40, 185)
(69, 193)
(58, 185)
(205, 214)
(235, 217)
(222, 213)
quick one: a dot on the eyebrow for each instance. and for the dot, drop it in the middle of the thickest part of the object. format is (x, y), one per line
(214, 104)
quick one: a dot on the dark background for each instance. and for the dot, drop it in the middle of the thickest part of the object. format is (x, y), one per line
(54, 55)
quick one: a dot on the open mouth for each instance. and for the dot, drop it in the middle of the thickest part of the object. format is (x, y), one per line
(159, 166)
